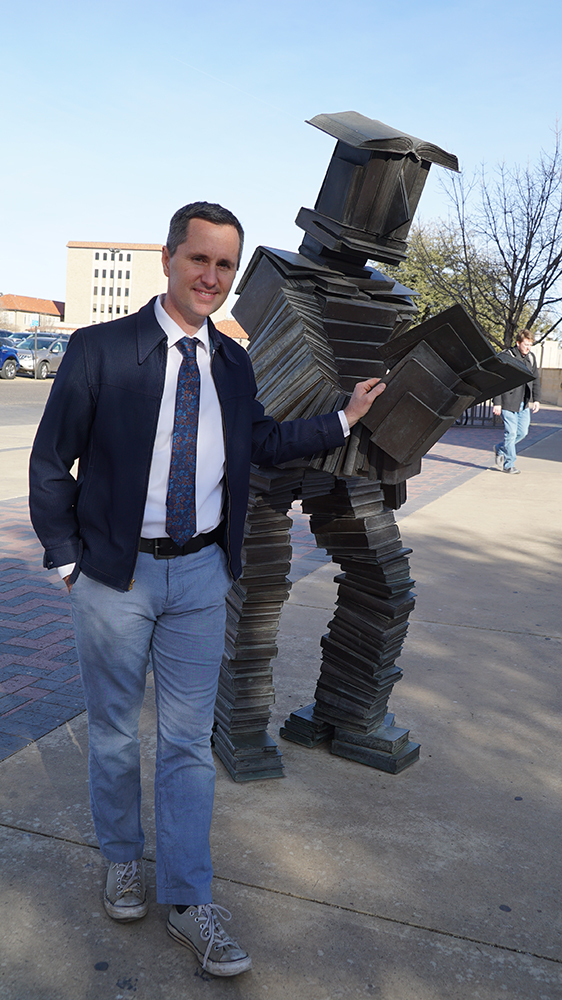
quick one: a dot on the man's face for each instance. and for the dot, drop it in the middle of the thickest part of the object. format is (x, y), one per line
(201, 272)
(525, 346)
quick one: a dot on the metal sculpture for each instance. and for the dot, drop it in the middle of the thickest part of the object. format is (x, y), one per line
(318, 321)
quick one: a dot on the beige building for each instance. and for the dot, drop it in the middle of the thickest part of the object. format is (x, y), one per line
(20, 313)
(107, 280)
(549, 359)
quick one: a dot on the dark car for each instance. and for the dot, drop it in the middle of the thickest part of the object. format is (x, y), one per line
(8, 358)
(50, 352)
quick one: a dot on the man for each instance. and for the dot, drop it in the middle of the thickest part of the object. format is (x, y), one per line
(160, 410)
(517, 405)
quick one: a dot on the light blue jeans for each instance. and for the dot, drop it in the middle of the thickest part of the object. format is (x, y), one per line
(175, 612)
(516, 427)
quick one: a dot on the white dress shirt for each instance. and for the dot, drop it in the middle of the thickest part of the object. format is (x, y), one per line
(209, 468)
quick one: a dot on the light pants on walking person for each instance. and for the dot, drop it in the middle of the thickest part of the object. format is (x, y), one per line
(516, 427)
(176, 613)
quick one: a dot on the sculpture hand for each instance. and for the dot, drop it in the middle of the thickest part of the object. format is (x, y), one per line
(362, 399)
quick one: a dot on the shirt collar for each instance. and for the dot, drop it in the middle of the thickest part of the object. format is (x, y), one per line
(173, 331)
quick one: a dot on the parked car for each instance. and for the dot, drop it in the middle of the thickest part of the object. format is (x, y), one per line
(50, 352)
(8, 358)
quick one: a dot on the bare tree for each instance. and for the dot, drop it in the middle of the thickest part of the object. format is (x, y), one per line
(500, 251)
(446, 268)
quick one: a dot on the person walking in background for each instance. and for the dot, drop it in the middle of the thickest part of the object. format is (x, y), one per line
(517, 405)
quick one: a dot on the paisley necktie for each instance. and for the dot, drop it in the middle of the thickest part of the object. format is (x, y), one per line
(180, 503)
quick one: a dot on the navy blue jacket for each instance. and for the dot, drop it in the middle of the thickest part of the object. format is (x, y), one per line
(103, 410)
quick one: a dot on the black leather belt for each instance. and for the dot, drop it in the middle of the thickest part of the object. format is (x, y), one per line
(166, 548)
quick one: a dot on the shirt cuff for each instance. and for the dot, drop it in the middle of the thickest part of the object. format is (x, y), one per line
(344, 423)
(65, 570)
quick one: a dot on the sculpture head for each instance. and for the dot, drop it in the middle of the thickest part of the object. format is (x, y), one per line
(370, 192)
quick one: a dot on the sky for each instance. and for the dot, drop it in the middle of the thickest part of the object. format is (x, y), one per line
(115, 113)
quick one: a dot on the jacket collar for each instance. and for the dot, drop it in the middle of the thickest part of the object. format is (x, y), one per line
(219, 342)
(150, 334)
(149, 331)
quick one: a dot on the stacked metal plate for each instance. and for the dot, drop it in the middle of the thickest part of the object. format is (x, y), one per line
(254, 604)
(303, 727)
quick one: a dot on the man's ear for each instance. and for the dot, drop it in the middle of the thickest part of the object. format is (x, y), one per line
(166, 261)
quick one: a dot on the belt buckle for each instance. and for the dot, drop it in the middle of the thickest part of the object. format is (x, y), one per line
(157, 554)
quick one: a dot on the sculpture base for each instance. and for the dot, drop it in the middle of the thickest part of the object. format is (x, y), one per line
(249, 756)
(301, 727)
(387, 748)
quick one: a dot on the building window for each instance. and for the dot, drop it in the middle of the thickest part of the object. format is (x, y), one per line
(111, 274)
(117, 309)
(119, 273)
(120, 256)
(96, 273)
(95, 289)
(126, 310)
(105, 256)
(103, 274)
(94, 309)
(127, 274)
(102, 307)
(119, 291)
(109, 309)
(103, 289)
(113, 256)
(128, 257)
(126, 292)
(97, 256)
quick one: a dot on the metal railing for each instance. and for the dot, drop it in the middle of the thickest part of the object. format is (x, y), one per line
(480, 414)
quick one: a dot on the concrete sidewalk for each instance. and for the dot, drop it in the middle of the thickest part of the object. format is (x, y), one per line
(440, 883)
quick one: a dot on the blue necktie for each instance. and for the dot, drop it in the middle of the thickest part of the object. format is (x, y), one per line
(180, 503)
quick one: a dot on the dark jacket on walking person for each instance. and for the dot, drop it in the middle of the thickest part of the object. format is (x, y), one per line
(528, 393)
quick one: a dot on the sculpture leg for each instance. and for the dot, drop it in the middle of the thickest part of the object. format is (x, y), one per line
(254, 606)
(368, 629)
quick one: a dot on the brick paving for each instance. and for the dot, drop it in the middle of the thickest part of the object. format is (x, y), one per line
(39, 680)
(464, 452)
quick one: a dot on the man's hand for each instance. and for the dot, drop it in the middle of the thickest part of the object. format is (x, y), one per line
(536, 406)
(362, 399)
(497, 411)
(66, 580)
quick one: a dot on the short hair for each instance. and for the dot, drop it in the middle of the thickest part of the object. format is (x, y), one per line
(525, 335)
(206, 210)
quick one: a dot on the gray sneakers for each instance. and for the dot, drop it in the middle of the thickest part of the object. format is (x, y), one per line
(198, 928)
(499, 458)
(125, 891)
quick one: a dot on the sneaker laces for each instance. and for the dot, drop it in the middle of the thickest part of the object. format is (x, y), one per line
(129, 878)
(211, 929)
